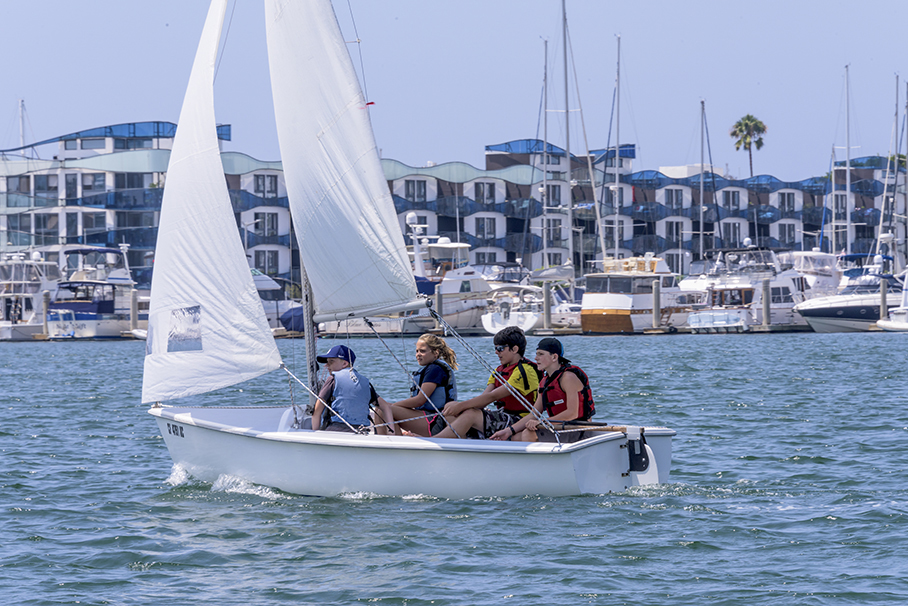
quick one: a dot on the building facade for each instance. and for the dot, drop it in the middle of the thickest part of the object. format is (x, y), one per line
(529, 204)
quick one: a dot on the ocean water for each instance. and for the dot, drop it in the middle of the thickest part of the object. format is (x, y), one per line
(789, 485)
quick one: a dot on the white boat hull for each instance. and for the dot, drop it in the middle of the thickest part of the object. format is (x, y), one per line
(843, 313)
(247, 443)
(20, 331)
(112, 326)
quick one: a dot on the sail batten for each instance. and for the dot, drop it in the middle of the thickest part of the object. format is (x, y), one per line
(349, 237)
(206, 324)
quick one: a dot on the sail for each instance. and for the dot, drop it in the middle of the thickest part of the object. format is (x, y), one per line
(349, 238)
(206, 325)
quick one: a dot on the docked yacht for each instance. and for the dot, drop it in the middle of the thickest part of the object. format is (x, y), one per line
(856, 307)
(24, 277)
(620, 298)
(735, 297)
(97, 299)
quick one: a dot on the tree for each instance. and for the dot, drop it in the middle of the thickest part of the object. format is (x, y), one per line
(748, 132)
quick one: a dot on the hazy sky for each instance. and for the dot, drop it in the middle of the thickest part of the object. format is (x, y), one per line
(449, 77)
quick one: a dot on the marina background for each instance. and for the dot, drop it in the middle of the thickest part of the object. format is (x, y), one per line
(787, 486)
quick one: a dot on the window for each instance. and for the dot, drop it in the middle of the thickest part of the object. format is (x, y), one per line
(611, 196)
(551, 159)
(46, 187)
(840, 206)
(266, 186)
(553, 232)
(553, 195)
(18, 190)
(94, 222)
(132, 180)
(674, 262)
(46, 228)
(415, 191)
(132, 144)
(673, 232)
(781, 294)
(135, 219)
(266, 261)
(485, 227)
(19, 229)
(72, 224)
(674, 198)
(610, 234)
(787, 234)
(486, 258)
(731, 234)
(787, 201)
(731, 200)
(71, 144)
(93, 182)
(555, 259)
(265, 224)
(72, 185)
(484, 193)
(93, 143)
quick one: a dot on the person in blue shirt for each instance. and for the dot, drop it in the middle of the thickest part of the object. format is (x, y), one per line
(432, 387)
(348, 393)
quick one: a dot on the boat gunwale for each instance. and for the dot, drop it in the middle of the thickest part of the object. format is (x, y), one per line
(338, 439)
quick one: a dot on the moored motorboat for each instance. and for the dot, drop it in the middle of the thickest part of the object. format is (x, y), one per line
(24, 277)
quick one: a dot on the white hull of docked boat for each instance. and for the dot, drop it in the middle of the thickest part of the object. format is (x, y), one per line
(254, 444)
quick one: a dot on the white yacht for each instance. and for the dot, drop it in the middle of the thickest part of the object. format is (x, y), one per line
(24, 277)
(620, 298)
(735, 295)
(97, 299)
(856, 307)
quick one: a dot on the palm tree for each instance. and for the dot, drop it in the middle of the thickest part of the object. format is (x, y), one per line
(748, 132)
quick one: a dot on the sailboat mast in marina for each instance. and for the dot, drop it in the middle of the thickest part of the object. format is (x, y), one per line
(207, 328)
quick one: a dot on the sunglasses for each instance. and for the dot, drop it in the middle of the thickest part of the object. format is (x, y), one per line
(500, 348)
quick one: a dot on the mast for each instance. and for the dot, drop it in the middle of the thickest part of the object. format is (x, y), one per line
(617, 143)
(702, 125)
(545, 154)
(22, 125)
(567, 144)
(847, 165)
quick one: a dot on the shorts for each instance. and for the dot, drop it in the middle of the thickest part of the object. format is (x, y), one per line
(436, 424)
(496, 420)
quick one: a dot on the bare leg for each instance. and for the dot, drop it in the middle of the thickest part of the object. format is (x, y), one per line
(462, 423)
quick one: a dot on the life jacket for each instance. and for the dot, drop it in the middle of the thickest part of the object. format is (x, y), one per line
(554, 400)
(444, 393)
(351, 397)
(510, 403)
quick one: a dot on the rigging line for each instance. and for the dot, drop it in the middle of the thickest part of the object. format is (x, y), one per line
(359, 48)
(412, 379)
(224, 44)
(328, 406)
(518, 396)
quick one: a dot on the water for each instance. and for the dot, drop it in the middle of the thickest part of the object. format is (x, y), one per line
(787, 487)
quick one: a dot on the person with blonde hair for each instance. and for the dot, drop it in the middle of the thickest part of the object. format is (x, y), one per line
(432, 387)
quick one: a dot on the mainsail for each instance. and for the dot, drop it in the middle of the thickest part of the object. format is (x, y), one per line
(350, 241)
(206, 325)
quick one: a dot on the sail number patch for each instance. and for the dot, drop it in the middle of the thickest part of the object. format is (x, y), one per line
(175, 430)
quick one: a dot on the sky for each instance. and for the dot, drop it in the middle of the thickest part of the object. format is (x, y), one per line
(449, 77)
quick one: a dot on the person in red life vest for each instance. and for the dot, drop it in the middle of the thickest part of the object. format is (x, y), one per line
(564, 395)
(521, 377)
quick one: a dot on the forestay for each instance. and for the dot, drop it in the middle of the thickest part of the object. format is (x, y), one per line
(206, 325)
(350, 242)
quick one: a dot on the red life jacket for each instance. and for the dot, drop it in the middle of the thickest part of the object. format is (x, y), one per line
(510, 403)
(554, 400)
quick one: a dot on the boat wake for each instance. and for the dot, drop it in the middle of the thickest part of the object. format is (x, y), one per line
(234, 485)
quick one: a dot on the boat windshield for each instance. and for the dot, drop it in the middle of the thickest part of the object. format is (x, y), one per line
(28, 272)
(623, 285)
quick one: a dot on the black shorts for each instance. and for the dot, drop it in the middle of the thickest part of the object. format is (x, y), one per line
(496, 420)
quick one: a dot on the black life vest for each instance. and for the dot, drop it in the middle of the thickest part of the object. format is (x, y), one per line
(554, 400)
(510, 403)
(446, 392)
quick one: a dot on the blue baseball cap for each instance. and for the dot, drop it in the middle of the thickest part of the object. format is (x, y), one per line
(338, 351)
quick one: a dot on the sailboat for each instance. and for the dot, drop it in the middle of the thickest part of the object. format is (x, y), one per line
(207, 329)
